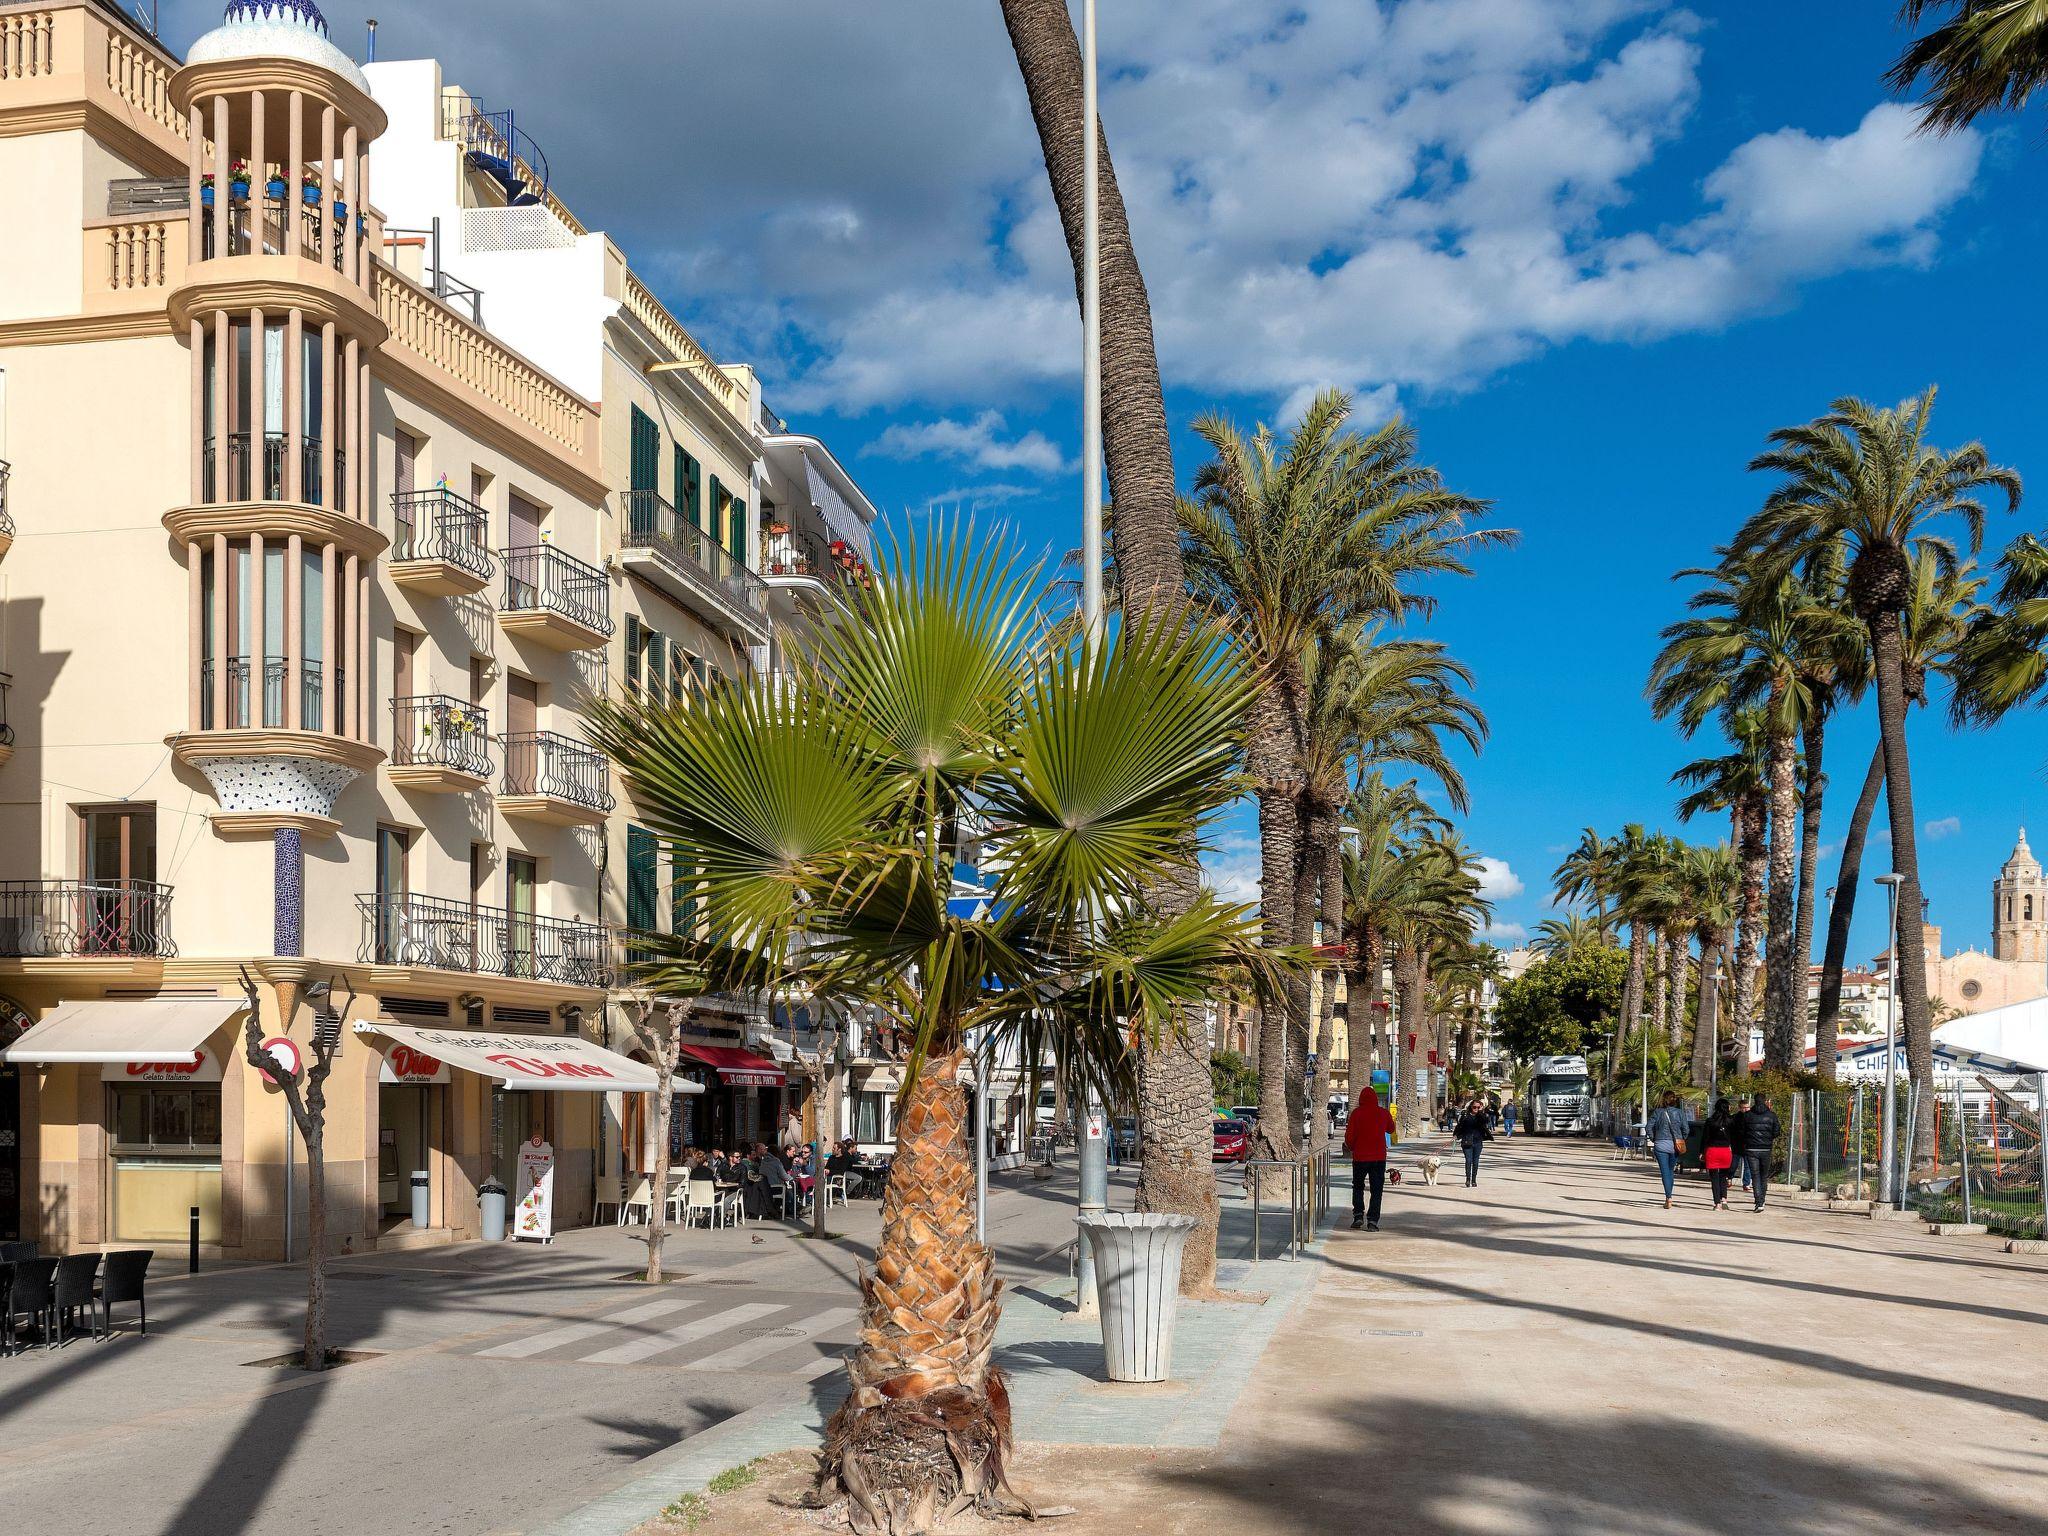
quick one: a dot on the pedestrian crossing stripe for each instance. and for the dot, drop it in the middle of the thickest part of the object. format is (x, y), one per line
(768, 1344)
(635, 1350)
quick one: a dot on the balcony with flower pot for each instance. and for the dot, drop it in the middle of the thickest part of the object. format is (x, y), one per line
(439, 543)
(439, 744)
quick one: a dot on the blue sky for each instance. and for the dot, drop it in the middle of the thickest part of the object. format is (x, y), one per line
(1595, 248)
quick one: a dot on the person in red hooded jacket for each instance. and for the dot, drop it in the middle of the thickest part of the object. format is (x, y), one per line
(1366, 1138)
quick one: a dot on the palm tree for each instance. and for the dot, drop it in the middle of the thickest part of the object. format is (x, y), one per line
(1436, 907)
(1588, 874)
(1634, 857)
(1738, 782)
(1144, 540)
(1991, 56)
(1941, 617)
(1867, 478)
(1291, 540)
(1567, 938)
(815, 823)
(1713, 881)
(1389, 821)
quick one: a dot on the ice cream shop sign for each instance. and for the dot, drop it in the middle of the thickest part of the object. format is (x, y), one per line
(404, 1064)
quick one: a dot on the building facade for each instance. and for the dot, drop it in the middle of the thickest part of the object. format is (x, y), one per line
(316, 549)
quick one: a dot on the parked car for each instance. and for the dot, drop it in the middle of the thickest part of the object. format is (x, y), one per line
(1125, 1130)
(1233, 1141)
(1248, 1113)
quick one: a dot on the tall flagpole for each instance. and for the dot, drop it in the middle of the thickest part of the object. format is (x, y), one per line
(1093, 1149)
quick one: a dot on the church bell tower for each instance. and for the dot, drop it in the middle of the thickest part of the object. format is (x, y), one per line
(2019, 913)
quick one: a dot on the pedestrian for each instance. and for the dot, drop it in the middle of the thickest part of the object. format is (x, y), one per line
(1667, 1140)
(1367, 1135)
(1473, 1134)
(1717, 1151)
(1755, 1133)
(1507, 1121)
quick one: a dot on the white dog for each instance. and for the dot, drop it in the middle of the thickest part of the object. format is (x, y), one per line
(1429, 1166)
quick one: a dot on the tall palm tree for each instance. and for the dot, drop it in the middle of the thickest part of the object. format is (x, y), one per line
(1713, 880)
(1588, 874)
(1942, 616)
(1290, 540)
(1737, 782)
(1174, 1101)
(1867, 478)
(1436, 906)
(813, 821)
(1389, 820)
(1634, 858)
(1989, 56)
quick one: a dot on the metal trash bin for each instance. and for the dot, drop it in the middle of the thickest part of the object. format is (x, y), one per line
(1137, 1279)
(422, 1204)
(491, 1196)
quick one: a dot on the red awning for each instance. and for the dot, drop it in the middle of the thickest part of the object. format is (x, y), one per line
(737, 1066)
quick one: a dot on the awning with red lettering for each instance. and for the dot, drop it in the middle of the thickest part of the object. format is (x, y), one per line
(737, 1067)
(548, 1063)
(143, 1029)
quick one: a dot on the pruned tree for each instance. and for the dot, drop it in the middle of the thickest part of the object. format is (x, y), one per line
(658, 1027)
(306, 1097)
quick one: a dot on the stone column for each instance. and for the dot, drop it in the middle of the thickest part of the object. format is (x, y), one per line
(288, 915)
(295, 175)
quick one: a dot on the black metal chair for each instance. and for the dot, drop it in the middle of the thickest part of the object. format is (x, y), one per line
(12, 1253)
(6, 1309)
(74, 1289)
(122, 1281)
(34, 1293)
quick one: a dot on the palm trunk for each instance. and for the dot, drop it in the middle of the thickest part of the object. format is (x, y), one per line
(1362, 1013)
(1749, 918)
(1910, 985)
(1813, 739)
(1841, 913)
(1632, 984)
(1780, 1050)
(1308, 1004)
(1660, 980)
(1674, 1013)
(1409, 981)
(1331, 849)
(1706, 1034)
(927, 1423)
(1270, 757)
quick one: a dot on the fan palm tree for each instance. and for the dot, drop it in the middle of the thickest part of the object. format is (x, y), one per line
(1989, 56)
(1737, 782)
(814, 821)
(1290, 540)
(1867, 478)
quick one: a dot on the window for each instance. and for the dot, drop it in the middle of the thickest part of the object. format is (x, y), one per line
(390, 900)
(1972, 990)
(716, 526)
(642, 886)
(736, 531)
(870, 1117)
(522, 876)
(679, 665)
(164, 1119)
(2027, 908)
(646, 452)
(689, 488)
(634, 629)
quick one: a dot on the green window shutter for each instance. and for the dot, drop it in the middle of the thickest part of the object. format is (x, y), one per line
(641, 905)
(646, 452)
(632, 654)
(693, 503)
(716, 525)
(678, 673)
(656, 687)
(736, 531)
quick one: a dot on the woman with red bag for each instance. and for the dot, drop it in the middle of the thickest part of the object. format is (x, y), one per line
(1719, 1151)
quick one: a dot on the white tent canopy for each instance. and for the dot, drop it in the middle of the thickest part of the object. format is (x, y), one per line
(2018, 1033)
(544, 1063)
(160, 1029)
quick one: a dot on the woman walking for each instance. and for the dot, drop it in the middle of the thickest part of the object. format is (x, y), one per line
(1473, 1131)
(1718, 1152)
(1667, 1140)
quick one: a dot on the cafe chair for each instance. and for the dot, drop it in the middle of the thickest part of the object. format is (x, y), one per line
(122, 1282)
(33, 1294)
(839, 1187)
(14, 1253)
(641, 1200)
(702, 1198)
(76, 1273)
(611, 1193)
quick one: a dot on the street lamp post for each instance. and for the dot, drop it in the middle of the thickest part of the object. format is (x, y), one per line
(1885, 1179)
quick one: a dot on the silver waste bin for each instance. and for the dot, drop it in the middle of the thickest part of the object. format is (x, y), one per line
(422, 1205)
(1137, 1277)
(491, 1196)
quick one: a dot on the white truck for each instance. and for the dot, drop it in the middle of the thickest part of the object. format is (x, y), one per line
(1560, 1097)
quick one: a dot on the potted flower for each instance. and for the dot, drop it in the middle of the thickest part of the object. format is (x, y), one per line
(238, 180)
(274, 189)
(206, 189)
(309, 187)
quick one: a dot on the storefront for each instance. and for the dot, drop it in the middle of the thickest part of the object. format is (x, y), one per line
(413, 1134)
(146, 1077)
(742, 1096)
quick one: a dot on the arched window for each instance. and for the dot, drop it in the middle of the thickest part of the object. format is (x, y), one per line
(2008, 909)
(2027, 907)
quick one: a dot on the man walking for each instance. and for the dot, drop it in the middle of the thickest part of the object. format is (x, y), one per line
(1756, 1132)
(1366, 1138)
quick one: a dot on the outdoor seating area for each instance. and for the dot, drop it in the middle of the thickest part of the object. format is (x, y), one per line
(731, 1194)
(45, 1296)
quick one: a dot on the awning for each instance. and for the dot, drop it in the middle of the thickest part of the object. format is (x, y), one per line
(547, 1063)
(737, 1066)
(163, 1029)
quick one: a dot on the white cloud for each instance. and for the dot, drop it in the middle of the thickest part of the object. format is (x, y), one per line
(1507, 934)
(1497, 882)
(979, 442)
(966, 498)
(1946, 826)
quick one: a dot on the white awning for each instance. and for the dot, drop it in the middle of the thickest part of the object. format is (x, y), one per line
(547, 1063)
(164, 1029)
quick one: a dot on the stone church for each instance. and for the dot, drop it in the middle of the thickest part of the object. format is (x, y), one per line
(2017, 967)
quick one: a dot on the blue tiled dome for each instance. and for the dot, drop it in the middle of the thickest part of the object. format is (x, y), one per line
(290, 29)
(305, 12)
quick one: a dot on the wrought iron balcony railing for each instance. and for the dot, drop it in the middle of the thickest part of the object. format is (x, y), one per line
(436, 731)
(242, 484)
(276, 676)
(437, 524)
(560, 767)
(443, 935)
(651, 523)
(85, 917)
(6, 518)
(6, 730)
(540, 576)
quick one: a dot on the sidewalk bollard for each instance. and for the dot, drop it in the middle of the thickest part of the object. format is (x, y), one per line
(192, 1249)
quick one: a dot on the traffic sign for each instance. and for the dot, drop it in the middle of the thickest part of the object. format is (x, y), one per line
(282, 1051)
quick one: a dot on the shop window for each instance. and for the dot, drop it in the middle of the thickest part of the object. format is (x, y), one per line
(871, 1115)
(160, 1119)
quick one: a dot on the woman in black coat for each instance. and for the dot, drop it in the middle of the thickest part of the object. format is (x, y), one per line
(1473, 1131)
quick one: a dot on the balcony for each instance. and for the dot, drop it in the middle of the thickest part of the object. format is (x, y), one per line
(6, 519)
(665, 549)
(554, 599)
(6, 730)
(797, 558)
(555, 779)
(439, 744)
(242, 699)
(244, 485)
(432, 933)
(110, 919)
(440, 543)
